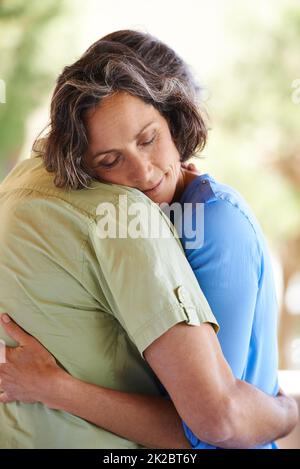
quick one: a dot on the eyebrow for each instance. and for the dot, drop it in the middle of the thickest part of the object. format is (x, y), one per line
(101, 152)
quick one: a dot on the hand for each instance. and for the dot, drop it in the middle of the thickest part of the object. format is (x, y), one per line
(291, 407)
(281, 392)
(29, 369)
(190, 167)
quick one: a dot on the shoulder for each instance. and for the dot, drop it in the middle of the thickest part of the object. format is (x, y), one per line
(221, 202)
(227, 221)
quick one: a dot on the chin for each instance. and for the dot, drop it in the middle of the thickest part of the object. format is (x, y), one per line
(165, 200)
(165, 196)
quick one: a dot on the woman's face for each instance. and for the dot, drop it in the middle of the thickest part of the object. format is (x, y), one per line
(130, 144)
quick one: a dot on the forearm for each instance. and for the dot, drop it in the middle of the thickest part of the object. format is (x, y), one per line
(257, 418)
(148, 420)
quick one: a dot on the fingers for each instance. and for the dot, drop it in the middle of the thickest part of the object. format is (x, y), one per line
(13, 330)
(2, 352)
(189, 166)
(3, 395)
(4, 399)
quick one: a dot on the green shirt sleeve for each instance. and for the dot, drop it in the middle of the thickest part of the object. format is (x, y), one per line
(149, 283)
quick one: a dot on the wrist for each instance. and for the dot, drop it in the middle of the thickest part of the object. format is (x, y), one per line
(59, 388)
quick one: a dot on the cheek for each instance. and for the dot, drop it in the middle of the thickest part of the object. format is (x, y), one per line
(175, 164)
(122, 177)
(168, 155)
(107, 176)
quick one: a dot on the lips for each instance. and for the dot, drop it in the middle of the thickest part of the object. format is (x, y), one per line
(154, 187)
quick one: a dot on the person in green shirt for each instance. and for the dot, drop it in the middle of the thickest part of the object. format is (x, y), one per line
(115, 312)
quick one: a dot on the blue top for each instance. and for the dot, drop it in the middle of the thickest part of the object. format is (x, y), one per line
(233, 268)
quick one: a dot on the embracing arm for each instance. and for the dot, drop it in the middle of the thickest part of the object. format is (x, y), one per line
(189, 362)
(150, 421)
(31, 374)
(218, 408)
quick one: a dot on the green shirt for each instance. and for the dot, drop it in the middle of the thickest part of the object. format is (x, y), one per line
(95, 304)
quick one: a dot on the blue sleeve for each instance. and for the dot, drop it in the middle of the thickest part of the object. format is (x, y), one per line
(227, 267)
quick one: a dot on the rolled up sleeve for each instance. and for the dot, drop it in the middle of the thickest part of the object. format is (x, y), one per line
(150, 285)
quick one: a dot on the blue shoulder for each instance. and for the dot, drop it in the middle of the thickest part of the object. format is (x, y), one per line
(227, 222)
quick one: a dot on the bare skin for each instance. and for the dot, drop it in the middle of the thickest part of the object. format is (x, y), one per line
(187, 360)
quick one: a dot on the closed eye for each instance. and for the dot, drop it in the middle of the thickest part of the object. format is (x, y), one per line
(109, 162)
(149, 142)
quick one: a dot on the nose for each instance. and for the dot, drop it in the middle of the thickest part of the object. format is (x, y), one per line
(141, 171)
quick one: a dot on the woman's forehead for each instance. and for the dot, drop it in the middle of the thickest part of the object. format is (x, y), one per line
(121, 114)
(122, 102)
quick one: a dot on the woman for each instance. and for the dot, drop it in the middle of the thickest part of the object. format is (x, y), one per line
(232, 264)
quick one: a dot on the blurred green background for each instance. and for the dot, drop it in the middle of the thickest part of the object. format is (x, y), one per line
(245, 54)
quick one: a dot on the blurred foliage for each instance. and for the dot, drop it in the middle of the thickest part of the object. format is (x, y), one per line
(34, 38)
(21, 29)
(257, 140)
